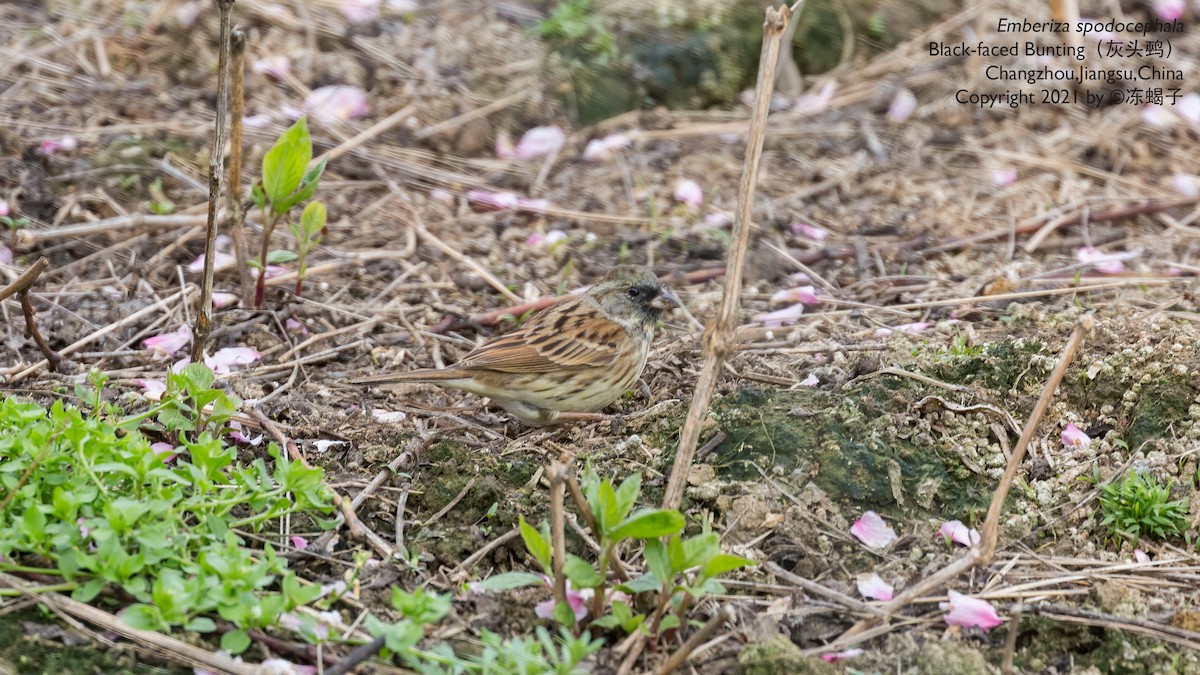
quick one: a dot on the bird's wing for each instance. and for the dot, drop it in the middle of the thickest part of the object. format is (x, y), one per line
(569, 336)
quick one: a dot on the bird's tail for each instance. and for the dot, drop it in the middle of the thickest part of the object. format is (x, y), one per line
(431, 375)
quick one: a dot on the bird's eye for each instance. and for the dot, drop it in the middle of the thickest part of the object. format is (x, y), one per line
(634, 293)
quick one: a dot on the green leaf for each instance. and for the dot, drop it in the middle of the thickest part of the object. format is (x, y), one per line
(722, 563)
(257, 196)
(564, 614)
(201, 624)
(284, 164)
(581, 573)
(312, 220)
(280, 256)
(143, 617)
(607, 511)
(88, 591)
(649, 524)
(658, 561)
(509, 581)
(627, 494)
(668, 622)
(235, 641)
(698, 550)
(537, 544)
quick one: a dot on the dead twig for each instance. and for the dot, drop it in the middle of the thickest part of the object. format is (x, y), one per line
(26, 236)
(723, 616)
(21, 287)
(558, 535)
(720, 337)
(1158, 631)
(216, 177)
(233, 195)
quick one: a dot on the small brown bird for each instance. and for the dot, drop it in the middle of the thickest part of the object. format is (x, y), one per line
(575, 357)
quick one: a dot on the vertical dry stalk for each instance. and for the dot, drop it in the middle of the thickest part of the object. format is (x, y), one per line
(216, 175)
(719, 339)
(558, 534)
(233, 195)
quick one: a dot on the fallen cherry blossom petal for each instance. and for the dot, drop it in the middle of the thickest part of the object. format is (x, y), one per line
(803, 294)
(359, 11)
(440, 195)
(4, 209)
(810, 381)
(538, 240)
(955, 531)
(1104, 263)
(810, 104)
(277, 66)
(1003, 177)
(221, 261)
(272, 271)
(872, 531)
(1073, 437)
(811, 231)
(603, 148)
(168, 344)
(152, 387)
(497, 201)
(295, 327)
(389, 415)
(903, 105)
(781, 317)
(324, 446)
(1188, 107)
(689, 192)
(1186, 185)
(970, 612)
(336, 103)
(285, 667)
(575, 599)
(164, 449)
(53, 146)
(1140, 556)
(910, 328)
(838, 657)
(6, 255)
(873, 587)
(539, 142)
(717, 219)
(225, 300)
(1169, 10)
(1157, 116)
(230, 358)
(299, 543)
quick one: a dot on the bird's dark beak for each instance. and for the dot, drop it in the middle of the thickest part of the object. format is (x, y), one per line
(665, 300)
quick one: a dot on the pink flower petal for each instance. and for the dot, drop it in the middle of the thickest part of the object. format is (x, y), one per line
(440, 195)
(285, 667)
(1186, 185)
(153, 388)
(781, 317)
(276, 65)
(299, 543)
(910, 328)
(803, 294)
(813, 103)
(229, 358)
(603, 148)
(6, 255)
(688, 192)
(533, 205)
(4, 210)
(164, 449)
(1104, 263)
(873, 587)
(970, 612)
(1140, 556)
(221, 261)
(838, 657)
(717, 219)
(1003, 177)
(295, 327)
(955, 531)
(1072, 437)
(53, 146)
(539, 142)
(1169, 10)
(224, 300)
(810, 381)
(543, 241)
(903, 105)
(1157, 116)
(810, 231)
(1188, 107)
(359, 11)
(495, 201)
(336, 103)
(168, 344)
(872, 531)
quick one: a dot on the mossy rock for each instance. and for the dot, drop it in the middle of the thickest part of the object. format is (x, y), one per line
(778, 656)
